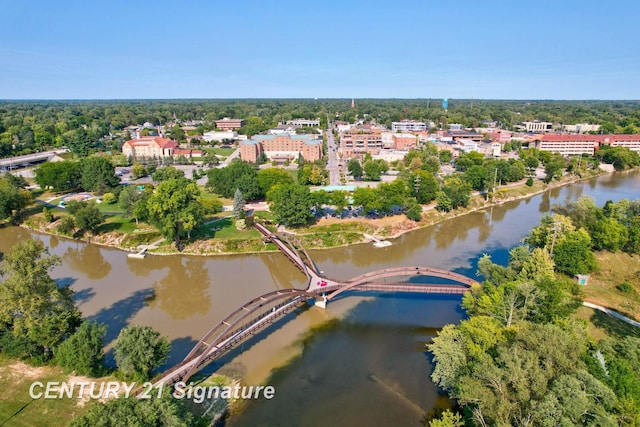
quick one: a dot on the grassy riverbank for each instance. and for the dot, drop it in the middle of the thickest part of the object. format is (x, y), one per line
(222, 238)
(16, 406)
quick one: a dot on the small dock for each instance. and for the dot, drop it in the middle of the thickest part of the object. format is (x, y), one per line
(138, 255)
(377, 242)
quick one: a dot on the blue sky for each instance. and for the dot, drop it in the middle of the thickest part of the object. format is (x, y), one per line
(562, 49)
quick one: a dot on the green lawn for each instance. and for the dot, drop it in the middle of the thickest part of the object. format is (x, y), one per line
(16, 406)
(222, 151)
(601, 325)
(109, 207)
(118, 223)
(293, 173)
(226, 229)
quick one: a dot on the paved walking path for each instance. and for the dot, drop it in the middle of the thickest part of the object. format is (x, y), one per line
(612, 313)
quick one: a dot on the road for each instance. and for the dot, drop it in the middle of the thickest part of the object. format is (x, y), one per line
(332, 154)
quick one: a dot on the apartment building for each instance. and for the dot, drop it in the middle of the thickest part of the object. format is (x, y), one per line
(229, 124)
(409, 126)
(281, 147)
(404, 141)
(358, 143)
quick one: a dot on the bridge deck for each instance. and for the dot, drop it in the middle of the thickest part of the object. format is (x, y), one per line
(265, 309)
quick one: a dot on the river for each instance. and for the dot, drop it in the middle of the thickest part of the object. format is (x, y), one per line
(362, 361)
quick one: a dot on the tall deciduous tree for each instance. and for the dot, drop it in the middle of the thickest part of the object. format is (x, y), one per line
(98, 174)
(175, 208)
(60, 176)
(355, 168)
(268, 178)
(12, 200)
(83, 351)
(139, 350)
(291, 204)
(35, 313)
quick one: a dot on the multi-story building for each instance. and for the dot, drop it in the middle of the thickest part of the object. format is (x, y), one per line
(149, 147)
(409, 126)
(357, 143)
(281, 147)
(404, 141)
(538, 126)
(229, 124)
(304, 122)
(250, 150)
(632, 142)
(580, 128)
(584, 144)
(567, 144)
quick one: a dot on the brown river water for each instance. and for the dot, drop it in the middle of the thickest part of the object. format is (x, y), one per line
(360, 362)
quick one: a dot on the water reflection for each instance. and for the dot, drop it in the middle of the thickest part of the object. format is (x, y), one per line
(184, 291)
(87, 259)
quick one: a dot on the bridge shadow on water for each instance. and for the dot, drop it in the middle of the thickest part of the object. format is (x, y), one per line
(246, 344)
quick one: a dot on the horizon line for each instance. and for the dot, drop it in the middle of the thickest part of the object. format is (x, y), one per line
(315, 99)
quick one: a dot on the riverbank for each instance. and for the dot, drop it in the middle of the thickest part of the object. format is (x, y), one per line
(325, 234)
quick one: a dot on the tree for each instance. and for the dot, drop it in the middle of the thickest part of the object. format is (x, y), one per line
(12, 200)
(138, 171)
(424, 186)
(238, 204)
(166, 173)
(60, 176)
(35, 313)
(448, 419)
(291, 204)
(128, 197)
(175, 208)
(139, 350)
(268, 178)
(355, 169)
(238, 175)
(83, 351)
(572, 254)
(372, 171)
(554, 167)
(163, 411)
(458, 191)
(88, 217)
(98, 174)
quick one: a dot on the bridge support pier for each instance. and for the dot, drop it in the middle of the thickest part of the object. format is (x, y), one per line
(322, 303)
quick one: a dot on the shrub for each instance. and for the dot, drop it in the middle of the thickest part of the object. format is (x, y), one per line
(48, 216)
(625, 287)
(66, 225)
(529, 182)
(109, 198)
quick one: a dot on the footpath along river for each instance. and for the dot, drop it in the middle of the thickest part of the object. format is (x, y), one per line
(366, 364)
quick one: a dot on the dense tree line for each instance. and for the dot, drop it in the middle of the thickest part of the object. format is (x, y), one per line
(85, 126)
(520, 359)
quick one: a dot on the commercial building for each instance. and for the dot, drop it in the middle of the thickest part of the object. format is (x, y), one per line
(149, 147)
(584, 144)
(580, 128)
(404, 141)
(219, 136)
(281, 147)
(409, 126)
(229, 124)
(358, 143)
(304, 122)
(537, 126)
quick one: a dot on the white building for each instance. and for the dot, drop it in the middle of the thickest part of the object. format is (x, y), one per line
(580, 128)
(304, 122)
(538, 126)
(219, 136)
(409, 126)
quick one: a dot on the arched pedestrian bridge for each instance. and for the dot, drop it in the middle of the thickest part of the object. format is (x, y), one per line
(264, 310)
